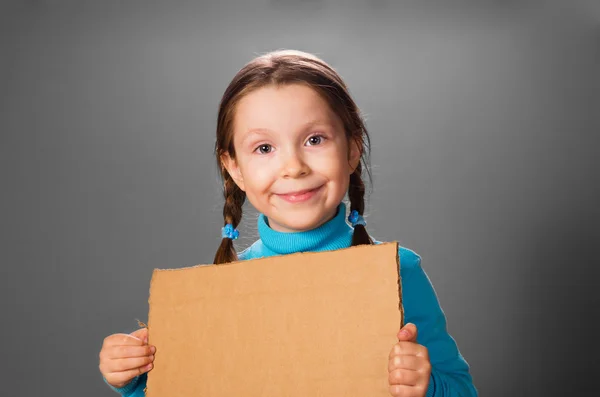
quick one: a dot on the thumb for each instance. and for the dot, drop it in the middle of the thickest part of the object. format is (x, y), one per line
(141, 334)
(408, 333)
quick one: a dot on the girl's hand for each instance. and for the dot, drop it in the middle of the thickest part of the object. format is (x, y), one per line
(409, 366)
(125, 356)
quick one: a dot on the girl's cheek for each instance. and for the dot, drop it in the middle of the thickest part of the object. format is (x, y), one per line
(259, 171)
(329, 158)
(261, 162)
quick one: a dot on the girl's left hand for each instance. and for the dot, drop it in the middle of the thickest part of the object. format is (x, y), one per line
(409, 366)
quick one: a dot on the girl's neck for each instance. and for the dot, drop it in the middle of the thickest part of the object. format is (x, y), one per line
(333, 234)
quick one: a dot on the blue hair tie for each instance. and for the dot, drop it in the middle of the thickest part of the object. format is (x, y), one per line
(356, 219)
(228, 231)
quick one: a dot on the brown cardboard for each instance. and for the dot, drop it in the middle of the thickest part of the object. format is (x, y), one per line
(305, 324)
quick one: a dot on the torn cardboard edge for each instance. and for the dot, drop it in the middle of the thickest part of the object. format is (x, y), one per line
(247, 264)
(141, 324)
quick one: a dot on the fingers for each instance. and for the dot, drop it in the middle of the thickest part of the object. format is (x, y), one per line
(119, 370)
(407, 382)
(120, 379)
(141, 334)
(409, 366)
(124, 339)
(125, 356)
(404, 377)
(407, 391)
(127, 364)
(404, 362)
(408, 333)
(126, 351)
(409, 348)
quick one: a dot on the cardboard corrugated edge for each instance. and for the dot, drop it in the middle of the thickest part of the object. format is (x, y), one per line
(158, 270)
(400, 304)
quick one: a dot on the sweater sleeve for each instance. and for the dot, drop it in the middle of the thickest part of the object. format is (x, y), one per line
(450, 372)
(135, 388)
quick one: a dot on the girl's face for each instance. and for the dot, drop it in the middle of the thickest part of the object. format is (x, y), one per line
(293, 159)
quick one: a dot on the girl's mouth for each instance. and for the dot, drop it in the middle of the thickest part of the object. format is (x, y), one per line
(300, 196)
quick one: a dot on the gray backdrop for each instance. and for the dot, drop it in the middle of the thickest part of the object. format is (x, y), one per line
(483, 115)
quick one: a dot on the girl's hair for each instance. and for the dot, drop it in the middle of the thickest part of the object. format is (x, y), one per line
(280, 68)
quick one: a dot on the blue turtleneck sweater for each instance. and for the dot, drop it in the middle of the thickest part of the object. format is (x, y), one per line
(450, 372)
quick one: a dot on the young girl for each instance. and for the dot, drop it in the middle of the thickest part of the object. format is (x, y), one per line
(291, 140)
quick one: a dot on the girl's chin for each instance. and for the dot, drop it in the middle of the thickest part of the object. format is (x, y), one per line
(299, 223)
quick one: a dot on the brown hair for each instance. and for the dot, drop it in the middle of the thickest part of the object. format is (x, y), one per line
(279, 68)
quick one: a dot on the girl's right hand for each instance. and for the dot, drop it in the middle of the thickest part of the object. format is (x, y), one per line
(125, 356)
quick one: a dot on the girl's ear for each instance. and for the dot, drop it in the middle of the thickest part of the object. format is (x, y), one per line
(233, 169)
(354, 153)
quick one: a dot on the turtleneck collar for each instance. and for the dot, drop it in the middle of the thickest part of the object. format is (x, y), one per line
(332, 235)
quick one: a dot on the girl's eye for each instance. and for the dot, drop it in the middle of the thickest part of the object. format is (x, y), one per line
(315, 140)
(264, 149)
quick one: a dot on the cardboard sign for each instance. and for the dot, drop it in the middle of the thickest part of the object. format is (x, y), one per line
(304, 324)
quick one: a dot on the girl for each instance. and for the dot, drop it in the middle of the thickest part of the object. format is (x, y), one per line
(291, 140)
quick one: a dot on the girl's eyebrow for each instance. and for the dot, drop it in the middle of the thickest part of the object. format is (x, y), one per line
(308, 124)
(255, 131)
(259, 131)
(265, 131)
(314, 122)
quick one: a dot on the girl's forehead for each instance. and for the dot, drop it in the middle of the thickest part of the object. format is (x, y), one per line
(274, 107)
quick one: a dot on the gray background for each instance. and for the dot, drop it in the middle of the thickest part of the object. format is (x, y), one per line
(484, 120)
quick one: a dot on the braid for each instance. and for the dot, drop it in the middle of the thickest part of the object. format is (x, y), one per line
(356, 194)
(232, 213)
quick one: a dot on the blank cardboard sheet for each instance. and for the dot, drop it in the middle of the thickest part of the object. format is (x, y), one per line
(305, 324)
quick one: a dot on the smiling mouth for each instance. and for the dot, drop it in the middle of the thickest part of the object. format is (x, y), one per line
(300, 195)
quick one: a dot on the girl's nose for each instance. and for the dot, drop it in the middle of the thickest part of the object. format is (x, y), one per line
(293, 166)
